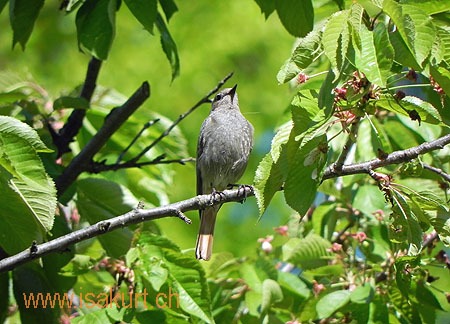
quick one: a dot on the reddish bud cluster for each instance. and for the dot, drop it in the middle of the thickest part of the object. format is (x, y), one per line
(302, 78)
(411, 75)
(436, 86)
(282, 230)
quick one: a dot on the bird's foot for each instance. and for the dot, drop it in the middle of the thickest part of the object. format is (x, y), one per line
(216, 195)
(242, 187)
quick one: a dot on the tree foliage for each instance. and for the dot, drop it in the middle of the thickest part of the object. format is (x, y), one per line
(369, 81)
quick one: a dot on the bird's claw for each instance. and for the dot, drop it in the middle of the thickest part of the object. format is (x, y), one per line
(216, 195)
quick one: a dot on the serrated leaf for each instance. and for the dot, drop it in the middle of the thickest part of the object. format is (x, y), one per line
(12, 126)
(440, 220)
(169, 7)
(330, 303)
(307, 49)
(430, 7)
(403, 54)
(169, 46)
(402, 277)
(287, 72)
(296, 16)
(335, 39)
(271, 294)
(402, 21)
(268, 180)
(426, 111)
(144, 11)
(99, 200)
(304, 174)
(362, 294)
(147, 238)
(424, 32)
(188, 278)
(426, 296)
(376, 56)
(78, 265)
(309, 253)
(95, 23)
(22, 15)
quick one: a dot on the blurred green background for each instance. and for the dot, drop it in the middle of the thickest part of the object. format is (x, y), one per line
(213, 39)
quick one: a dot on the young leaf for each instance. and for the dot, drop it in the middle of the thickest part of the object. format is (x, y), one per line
(296, 16)
(95, 22)
(309, 253)
(293, 283)
(430, 7)
(330, 303)
(335, 39)
(144, 11)
(169, 46)
(376, 56)
(23, 14)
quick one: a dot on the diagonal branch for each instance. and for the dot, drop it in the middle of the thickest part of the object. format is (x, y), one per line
(438, 171)
(135, 216)
(97, 167)
(113, 121)
(146, 125)
(205, 99)
(393, 158)
(75, 120)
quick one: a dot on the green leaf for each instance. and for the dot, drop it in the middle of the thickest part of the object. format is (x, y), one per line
(424, 32)
(10, 97)
(2, 5)
(266, 6)
(408, 105)
(147, 238)
(307, 49)
(442, 76)
(403, 22)
(287, 72)
(12, 126)
(320, 218)
(94, 317)
(169, 46)
(326, 271)
(292, 283)
(368, 199)
(426, 297)
(71, 102)
(100, 200)
(95, 22)
(22, 15)
(304, 174)
(440, 220)
(430, 7)
(376, 55)
(271, 294)
(362, 294)
(144, 11)
(308, 253)
(31, 279)
(189, 280)
(335, 39)
(169, 7)
(78, 265)
(330, 303)
(403, 54)
(296, 16)
(402, 277)
(4, 290)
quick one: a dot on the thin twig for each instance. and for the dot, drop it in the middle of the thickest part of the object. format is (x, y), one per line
(97, 167)
(205, 99)
(113, 121)
(393, 158)
(438, 171)
(146, 125)
(350, 140)
(75, 120)
(134, 216)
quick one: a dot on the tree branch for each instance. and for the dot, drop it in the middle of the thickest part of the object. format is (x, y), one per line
(205, 99)
(393, 158)
(97, 167)
(135, 216)
(75, 121)
(350, 140)
(438, 171)
(146, 125)
(113, 121)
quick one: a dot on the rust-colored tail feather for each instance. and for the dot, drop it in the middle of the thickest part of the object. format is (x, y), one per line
(204, 246)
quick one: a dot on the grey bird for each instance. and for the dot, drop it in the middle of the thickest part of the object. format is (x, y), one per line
(224, 145)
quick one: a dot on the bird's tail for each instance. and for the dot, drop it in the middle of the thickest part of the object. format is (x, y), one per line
(205, 234)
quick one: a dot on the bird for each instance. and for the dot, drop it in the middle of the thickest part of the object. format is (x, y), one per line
(223, 149)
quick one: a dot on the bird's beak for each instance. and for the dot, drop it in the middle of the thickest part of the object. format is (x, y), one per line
(232, 92)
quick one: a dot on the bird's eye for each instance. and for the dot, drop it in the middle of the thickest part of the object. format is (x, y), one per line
(218, 97)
